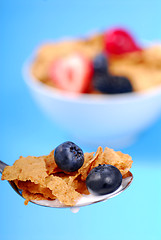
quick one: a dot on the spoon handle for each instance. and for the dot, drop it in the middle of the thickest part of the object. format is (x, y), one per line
(2, 166)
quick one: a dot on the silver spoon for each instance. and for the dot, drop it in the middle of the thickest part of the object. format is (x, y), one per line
(84, 201)
(13, 185)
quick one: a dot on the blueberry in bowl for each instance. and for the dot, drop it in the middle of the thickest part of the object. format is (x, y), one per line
(100, 64)
(118, 84)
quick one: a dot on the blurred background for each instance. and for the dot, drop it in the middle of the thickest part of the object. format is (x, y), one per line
(25, 130)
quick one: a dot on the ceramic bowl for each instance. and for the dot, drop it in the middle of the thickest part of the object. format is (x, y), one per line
(97, 119)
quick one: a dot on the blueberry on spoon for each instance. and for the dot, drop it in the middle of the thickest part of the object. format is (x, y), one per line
(103, 179)
(69, 157)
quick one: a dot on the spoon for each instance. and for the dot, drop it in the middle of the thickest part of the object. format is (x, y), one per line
(13, 185)
(84, 201)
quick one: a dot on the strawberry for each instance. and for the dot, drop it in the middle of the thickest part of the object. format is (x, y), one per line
(72, 73)
(119, 41)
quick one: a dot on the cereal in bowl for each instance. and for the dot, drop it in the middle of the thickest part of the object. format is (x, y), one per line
(110, 62)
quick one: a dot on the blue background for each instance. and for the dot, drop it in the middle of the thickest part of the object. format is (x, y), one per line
(24, 130)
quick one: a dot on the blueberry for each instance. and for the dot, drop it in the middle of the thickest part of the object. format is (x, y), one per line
(109, 84)
(100, 64)
(103, 179)
(101, 82)
(68, 156)
(119, 84)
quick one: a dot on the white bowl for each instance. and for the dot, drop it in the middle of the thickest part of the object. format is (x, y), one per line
(106, 120)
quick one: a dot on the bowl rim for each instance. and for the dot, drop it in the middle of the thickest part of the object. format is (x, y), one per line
(52, 92)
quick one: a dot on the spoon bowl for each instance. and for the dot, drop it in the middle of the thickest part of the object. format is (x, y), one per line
(85, 200)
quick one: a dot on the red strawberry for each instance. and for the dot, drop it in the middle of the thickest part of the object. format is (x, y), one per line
(119, 41)
(72, 73)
